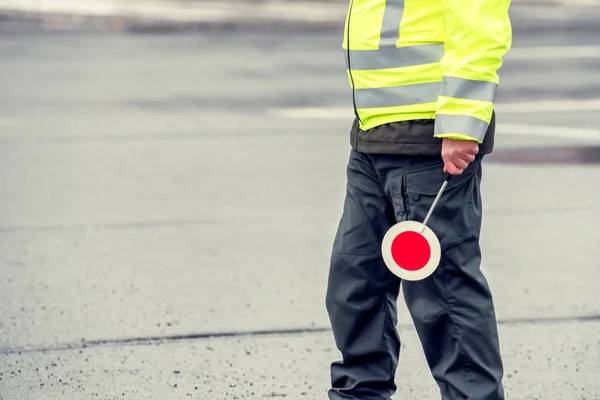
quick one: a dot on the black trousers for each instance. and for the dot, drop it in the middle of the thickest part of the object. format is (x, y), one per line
(452, 309)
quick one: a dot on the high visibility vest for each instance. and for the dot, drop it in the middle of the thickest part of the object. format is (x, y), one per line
(427, 59)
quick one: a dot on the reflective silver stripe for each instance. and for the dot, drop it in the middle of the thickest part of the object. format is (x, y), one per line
(469, 89)
(393, 57)
(390, 25)
(463, 124)
(398, 95)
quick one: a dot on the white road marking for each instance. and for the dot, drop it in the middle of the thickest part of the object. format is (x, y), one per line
(299, 10)
(549, 131)
(7, 123)
(345, 114)
(590, 3)
(526, 107)
(553, 52)
(548, 106)
(334, 113)
(534, 14)
(204, 11)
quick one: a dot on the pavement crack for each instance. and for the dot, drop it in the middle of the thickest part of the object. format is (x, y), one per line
(549, 320)
(149, 340)
(133, 225)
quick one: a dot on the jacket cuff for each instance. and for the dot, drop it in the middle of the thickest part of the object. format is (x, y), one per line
(460, 127)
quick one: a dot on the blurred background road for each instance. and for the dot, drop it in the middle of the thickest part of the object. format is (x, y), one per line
(171, 182)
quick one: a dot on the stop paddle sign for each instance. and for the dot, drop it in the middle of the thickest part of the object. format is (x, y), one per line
(410, 249)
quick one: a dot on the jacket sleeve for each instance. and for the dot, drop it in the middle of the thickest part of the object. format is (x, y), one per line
(478, 35)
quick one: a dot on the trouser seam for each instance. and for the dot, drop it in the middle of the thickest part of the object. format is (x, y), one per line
(387, 332)
(455, 333)
(352, 197)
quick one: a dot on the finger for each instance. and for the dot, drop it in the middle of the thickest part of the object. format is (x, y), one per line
(451, 168)
(460, 163)
(474, 150)
(467, 157)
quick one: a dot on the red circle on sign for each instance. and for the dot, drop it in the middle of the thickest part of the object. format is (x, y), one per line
(411, 251)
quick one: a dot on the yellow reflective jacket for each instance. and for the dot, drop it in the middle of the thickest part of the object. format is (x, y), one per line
(427, 59)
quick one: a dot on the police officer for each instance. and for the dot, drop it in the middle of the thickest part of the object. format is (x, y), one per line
(424, 79)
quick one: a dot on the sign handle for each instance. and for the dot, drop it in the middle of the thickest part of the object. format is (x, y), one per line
(437, 198)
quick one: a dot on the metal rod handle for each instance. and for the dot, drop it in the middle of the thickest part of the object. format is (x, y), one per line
(437, 198)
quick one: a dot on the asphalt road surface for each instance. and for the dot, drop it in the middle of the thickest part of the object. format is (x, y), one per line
(168, 203)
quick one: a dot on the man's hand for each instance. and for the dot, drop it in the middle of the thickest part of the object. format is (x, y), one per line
(457, 154)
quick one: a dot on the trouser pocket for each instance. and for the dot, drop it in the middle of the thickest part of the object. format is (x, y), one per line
(455, 217)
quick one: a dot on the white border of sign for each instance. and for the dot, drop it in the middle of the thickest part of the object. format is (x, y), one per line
(434, 245)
